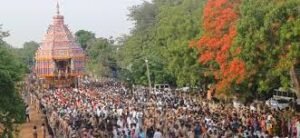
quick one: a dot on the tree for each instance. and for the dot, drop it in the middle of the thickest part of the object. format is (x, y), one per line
(12, 108)
(268, 33)
(219, 24)
(144, 16)
(178, 23)
(27, 53)
(10, 63)
(83, 36)
(138, 46)
(163, 29)
(101, 53)
(283, 33)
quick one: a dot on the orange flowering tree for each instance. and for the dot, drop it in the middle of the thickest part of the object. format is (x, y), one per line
(214, 46)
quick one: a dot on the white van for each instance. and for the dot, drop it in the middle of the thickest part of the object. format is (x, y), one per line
(159, 88)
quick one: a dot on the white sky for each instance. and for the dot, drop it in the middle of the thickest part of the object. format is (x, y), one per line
(28, 20)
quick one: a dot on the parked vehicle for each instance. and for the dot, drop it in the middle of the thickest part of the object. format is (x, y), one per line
(280, 104)
(183, 89)
(237, 104)
(159, 88)
(288, 94)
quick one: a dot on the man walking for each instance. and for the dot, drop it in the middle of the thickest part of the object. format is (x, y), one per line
(43, 131)
(157, 134)
(35, 134)
(27, 113)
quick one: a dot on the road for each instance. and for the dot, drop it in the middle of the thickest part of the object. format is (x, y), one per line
(26, 129)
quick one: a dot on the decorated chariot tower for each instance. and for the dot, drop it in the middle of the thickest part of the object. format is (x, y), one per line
(59, 59)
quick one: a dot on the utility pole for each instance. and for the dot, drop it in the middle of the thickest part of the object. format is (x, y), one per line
(148, 75)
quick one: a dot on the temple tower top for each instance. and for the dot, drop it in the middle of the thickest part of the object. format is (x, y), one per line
(57, 8)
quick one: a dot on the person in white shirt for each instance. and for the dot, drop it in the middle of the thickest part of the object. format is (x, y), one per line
(98, 111)
(298, 128)
(27, 113)
(120, 122)
(120, 111)
(157, 134)
(115, 132)
(129, 120)
(252, 108)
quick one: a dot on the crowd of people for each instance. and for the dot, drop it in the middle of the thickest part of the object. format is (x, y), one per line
(107, 109)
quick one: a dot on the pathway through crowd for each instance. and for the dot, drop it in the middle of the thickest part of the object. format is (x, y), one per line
(26, 129)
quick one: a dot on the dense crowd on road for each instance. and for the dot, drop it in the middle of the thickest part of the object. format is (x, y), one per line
(108, 109)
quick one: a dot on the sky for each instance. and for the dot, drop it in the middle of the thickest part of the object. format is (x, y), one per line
(28, 20)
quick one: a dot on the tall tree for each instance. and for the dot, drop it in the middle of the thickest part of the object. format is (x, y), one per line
(219, 24)
(12, 108)
(101, 53)
(268, 33)
(136, 48)
(178, 23)
(27, 53)
(83, 36)
(161, 35)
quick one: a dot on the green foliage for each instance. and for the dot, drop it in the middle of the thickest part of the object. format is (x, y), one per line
(144, 16)
(133, 52)
(9, 62)
(178, 24)
(101, 53)
(162, 33)
(268, 33)
(83, 37)
(10, 100)
(26, 54)
(12, 108)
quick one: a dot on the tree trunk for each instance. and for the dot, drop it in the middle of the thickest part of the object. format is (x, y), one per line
(295, 77)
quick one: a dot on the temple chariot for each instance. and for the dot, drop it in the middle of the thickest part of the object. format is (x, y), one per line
(59, 59)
